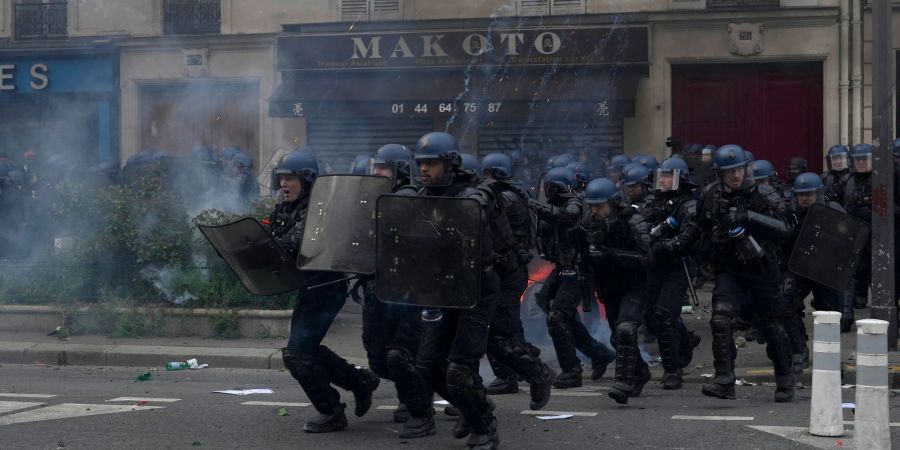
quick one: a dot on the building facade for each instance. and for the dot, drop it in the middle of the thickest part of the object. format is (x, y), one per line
(529, 77)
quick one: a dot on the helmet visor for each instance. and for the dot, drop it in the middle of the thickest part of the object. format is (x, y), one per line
(805, 199)
(862, 163)
(667, 180)
(838, 162)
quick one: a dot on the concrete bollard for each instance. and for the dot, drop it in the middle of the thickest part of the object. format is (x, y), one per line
(871, 424)
(825, 414)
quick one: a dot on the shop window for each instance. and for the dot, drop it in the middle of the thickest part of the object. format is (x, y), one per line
(192, 16)
(713, 4)
(41, 19)
(548, 7)
(355, 10)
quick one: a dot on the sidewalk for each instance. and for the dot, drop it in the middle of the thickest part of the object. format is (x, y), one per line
(345, 339)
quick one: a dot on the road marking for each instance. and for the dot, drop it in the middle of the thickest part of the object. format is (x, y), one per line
(12, 394)
(892, 424)
(299, 405)
(735, 418)
(529, 412)
(801, 435)
(69, 410)
(392, 408)
(575, 394)
(6, 407)
(144, 399)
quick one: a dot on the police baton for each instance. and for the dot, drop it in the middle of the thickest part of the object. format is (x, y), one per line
(341, 280)
(687, 273)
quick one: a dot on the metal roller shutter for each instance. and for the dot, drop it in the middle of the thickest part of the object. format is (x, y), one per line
(339, 140)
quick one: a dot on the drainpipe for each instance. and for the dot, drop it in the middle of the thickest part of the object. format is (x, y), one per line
(844, 106)
(857, 72)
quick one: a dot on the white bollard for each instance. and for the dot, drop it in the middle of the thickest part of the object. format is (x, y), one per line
(825, 414)
(871, 424)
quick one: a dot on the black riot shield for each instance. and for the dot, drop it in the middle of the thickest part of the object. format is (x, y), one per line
(828, 247)
(261, 265)
(429, 251)
(339, 235)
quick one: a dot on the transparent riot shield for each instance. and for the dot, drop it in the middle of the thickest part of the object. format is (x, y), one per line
(262, 266)
(339, 235)
(428, 251)
(828, 247)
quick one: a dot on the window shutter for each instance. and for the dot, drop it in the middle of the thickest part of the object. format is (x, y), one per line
(534, 7)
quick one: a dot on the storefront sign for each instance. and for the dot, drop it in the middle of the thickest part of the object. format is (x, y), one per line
(56, 74)
(523, 47)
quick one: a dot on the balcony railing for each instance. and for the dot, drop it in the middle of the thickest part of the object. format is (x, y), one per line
(192, 16)
(41, 20)
(714, 4)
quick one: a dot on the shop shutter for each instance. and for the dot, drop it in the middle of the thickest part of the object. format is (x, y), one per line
(387, 9)
(339, 140)
(354, 10)
(563, 7)
(540, 141)
(534, 7)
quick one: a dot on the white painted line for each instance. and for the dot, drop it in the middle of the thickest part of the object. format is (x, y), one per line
(576, 394)
(14, 395)
(726, 418)
(145, 399)
(69, 410)
(892, 424)
(529, 412)
(6, 407)
(392, 408)
(299, 405)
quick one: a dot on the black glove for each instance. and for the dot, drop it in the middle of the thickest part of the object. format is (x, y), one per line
(659, 248)
(733, 219)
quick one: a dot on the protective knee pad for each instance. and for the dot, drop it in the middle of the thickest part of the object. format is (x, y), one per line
(556, 324)
(626, 333)
(459, 376)
(398, 360)
(720, 323)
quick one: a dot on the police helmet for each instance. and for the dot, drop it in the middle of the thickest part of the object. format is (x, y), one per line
(470, 163)
(202, 153)
(807, 182)
(647, 161)
(600, 190)
(242, 161)
(635, 173)
(762, 169)
(498, 164)
(730, 156)
(299, 162)
(439, 145)
(360, 165)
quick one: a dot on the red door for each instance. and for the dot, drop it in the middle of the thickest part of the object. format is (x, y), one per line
(773, 110)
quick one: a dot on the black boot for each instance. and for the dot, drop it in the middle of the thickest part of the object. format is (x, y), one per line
(540, 392)
(327, 423)
(363, 391)
(401, 414)
(485, 441)
(784, 390)
(643, 376)
(452, 411)
(689, 343)
(723, 391)
(600, 362)
(502, 386)
(568, 380)
(671, 380)
(418, 427)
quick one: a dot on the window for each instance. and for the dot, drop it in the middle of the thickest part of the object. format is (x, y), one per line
(37, 19)
(354, 10)
(192, 16)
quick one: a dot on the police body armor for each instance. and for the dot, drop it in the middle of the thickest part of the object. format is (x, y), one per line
(858, 197)
(514, 203)
(558, 232)
(621, 249)
(835, 183)
(673, 228)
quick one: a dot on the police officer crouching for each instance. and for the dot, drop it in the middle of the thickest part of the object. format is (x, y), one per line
(744, 231)
(453, 346)
(391, 332)
(312, 364)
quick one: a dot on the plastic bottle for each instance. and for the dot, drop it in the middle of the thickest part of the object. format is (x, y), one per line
(176, 365)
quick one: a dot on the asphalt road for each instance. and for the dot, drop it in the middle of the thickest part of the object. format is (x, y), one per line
(51, 407)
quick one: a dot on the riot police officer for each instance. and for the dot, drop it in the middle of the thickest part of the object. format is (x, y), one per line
(615, 167)
(808, 190)
(242, 178)
(837, 161)
(744, 231)
(582, 175)
(636, 184)
(857, 201)
(452, 347)
(647, 161)
(561, 242)
(619, 249)
(391, 332)
(361, 164)
(671, 214)
(768, 184)
(312, 364)
(796, 166)
(510, 355)
(470, 163)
